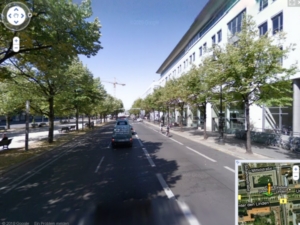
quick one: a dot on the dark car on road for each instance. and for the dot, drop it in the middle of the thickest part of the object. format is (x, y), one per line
(125, 122)
(122, 135)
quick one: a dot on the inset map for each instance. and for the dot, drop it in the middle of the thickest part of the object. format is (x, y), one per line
(268, 193)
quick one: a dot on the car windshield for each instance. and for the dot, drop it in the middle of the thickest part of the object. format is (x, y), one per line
(122, 123)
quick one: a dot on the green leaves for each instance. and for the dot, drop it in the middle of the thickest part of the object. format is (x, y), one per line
(57, 25)
(251, 67)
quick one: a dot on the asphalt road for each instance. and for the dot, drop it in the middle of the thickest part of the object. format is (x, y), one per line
(159, 180)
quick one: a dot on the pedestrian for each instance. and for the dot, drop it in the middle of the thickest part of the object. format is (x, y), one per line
(161, 126)
(4, 137)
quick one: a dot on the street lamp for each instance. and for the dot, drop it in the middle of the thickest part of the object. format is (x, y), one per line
(221, 118)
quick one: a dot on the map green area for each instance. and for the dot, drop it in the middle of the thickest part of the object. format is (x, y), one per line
(268, 193)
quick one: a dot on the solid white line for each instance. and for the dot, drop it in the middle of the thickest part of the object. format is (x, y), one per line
(99, 165)
(164, 185)
(44, 163)
(34, 172)
(232, 170)
(188, 214)
(148, 157)
(176, 141)
(201, 154)
(141, 144)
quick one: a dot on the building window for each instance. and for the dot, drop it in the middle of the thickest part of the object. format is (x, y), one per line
(219, 35)
(263, 28)
(213, 39)
(235, 25)
(277, 23)
(193, 56)
(190, 59)
(263, 4)
(200, 51)
(204, 47)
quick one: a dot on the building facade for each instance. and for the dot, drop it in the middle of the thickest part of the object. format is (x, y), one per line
(216, 24)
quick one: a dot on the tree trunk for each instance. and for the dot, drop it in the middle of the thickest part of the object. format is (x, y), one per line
(248, 138)
(77, 117)
(89, 121)
(181, 112)
(204, 117)
(168, 114)
(7, 122)
(51, 119)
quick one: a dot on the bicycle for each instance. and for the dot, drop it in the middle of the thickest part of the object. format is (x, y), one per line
(168, 131)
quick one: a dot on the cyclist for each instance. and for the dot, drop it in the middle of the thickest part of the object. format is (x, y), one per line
(168, 130)
(161, 126)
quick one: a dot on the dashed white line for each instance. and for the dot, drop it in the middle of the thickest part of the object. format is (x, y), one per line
(232, 170)
(148, 157)
(141, 144)
(99, 165)
(164, 185)
(187, 213)
(184, 208)
(176, 141)
(201, 154)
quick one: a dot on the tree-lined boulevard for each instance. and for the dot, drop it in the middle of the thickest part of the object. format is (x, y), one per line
(88, 181)
(247, 70)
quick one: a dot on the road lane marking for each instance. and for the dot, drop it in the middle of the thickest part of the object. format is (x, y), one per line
(176, 141)
(188, 214)
(201, 154)
(99, 165)
(164, 185)
(44, 163)
(232, 170)
(184, 208)
(141, 144)
(36, 171)
(148, 157)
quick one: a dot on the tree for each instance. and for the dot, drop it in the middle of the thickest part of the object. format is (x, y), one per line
(10, 101)
(197, 90)
(250, 69)
(44, 78)
(56, 25)
(136, 107)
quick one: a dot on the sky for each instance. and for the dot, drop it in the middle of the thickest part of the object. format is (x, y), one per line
(137, 36)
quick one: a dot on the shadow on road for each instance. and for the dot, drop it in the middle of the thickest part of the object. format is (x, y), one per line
(124, 191)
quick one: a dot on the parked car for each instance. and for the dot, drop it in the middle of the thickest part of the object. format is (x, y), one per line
(122, 135)
(139, 120)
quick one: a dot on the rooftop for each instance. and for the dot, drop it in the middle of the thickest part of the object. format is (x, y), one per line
(208, 13)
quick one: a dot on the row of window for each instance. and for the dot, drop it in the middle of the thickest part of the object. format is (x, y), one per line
(277, 22)
(234, 26)
(263, 4)
(202, 32)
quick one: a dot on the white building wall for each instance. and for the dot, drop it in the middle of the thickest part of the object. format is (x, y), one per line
(291, 17)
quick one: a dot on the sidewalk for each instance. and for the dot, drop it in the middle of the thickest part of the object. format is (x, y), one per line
(232, 146)
(35, 134)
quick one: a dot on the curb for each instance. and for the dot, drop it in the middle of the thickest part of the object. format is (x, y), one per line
(11, 168)
(239, 152)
